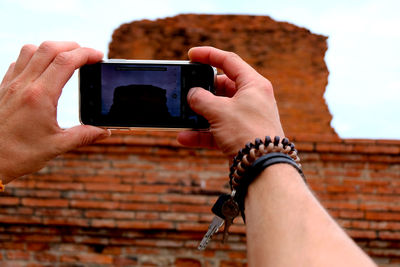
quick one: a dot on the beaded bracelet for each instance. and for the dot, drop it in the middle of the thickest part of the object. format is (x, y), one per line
(2, 186)
(254, 158)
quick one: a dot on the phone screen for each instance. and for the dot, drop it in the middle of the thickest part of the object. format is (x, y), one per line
(142, 95)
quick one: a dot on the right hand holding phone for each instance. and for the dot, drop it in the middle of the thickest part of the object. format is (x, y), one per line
(243, 109)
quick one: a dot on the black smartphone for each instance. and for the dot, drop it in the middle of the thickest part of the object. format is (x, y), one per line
(124, 94)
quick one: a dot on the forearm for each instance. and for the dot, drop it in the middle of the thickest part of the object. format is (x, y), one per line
(286, 225)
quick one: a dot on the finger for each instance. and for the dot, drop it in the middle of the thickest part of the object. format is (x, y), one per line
(204, 103)
(63, 66)
(196, 139)
(8, 75)
(6, 79)
(25, 55)
(43, 56)
(79, 136)
(233, 66)
(225, 86)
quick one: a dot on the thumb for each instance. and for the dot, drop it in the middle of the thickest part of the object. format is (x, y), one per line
(202, 102)
(83, 135)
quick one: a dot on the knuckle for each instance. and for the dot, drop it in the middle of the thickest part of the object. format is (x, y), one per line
(28, 49)
(64, 59)
(32, 96)
(13, 87)
(47, 47)
(232, 56)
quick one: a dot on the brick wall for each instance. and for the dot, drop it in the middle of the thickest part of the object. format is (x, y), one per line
(143, 200)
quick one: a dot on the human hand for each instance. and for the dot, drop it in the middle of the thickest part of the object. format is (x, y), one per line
(243, 109)
(29, 93)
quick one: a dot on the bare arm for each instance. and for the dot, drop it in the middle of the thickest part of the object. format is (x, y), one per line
(286, 225)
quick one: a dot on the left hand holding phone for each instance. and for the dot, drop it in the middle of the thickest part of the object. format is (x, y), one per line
(29, 93)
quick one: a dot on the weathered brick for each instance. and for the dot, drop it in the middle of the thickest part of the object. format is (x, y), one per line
(87, 204)
(87, 258)
(187, 262)
(46, 257)
(9, 201)
(37, 246)
(45, 202)
(144, 206)
(382, 216)
(17, 255)
(109, 214)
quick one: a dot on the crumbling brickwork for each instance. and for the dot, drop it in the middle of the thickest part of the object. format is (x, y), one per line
(291, 57)
(143, 200)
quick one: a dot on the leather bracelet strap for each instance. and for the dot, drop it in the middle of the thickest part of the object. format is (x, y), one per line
(254, 171)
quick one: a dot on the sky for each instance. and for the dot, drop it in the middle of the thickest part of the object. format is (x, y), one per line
(363, 56)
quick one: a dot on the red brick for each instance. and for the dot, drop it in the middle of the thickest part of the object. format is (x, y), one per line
(362, 234)
(334, 147)
(45, 202)
(144, 224)
(144, 206)
(37, 246)
(144, 215)
(187, 262)
(89, 195)
(232, 263)
(389, 235)
(66, 221)
(46, 257)
(184, 226)
(12, 245)
(351, 214)
(125, 261)
(98, 179)
(190, 208)
(103, 223)
(87, 258)
(382, 216)
(12, 264)
(67, 247)
(112, 250)
(87, 204)
(58, 212)
(175, 216)
(108, 187)
(17, 255)
(184, 199)
(158, 189)
(19, 219)
(109, 214)
(9, 201)
(59, 186)
(38, 238)
(36, 265)
(38, 193)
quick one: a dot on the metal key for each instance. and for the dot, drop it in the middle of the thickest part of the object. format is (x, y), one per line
(216, 222)
(230, 210)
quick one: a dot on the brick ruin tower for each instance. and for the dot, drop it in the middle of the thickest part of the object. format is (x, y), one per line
(291, 57)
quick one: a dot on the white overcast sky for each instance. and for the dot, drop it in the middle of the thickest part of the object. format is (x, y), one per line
(363, 57)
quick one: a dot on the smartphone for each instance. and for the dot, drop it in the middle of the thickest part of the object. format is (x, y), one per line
(152, 94)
